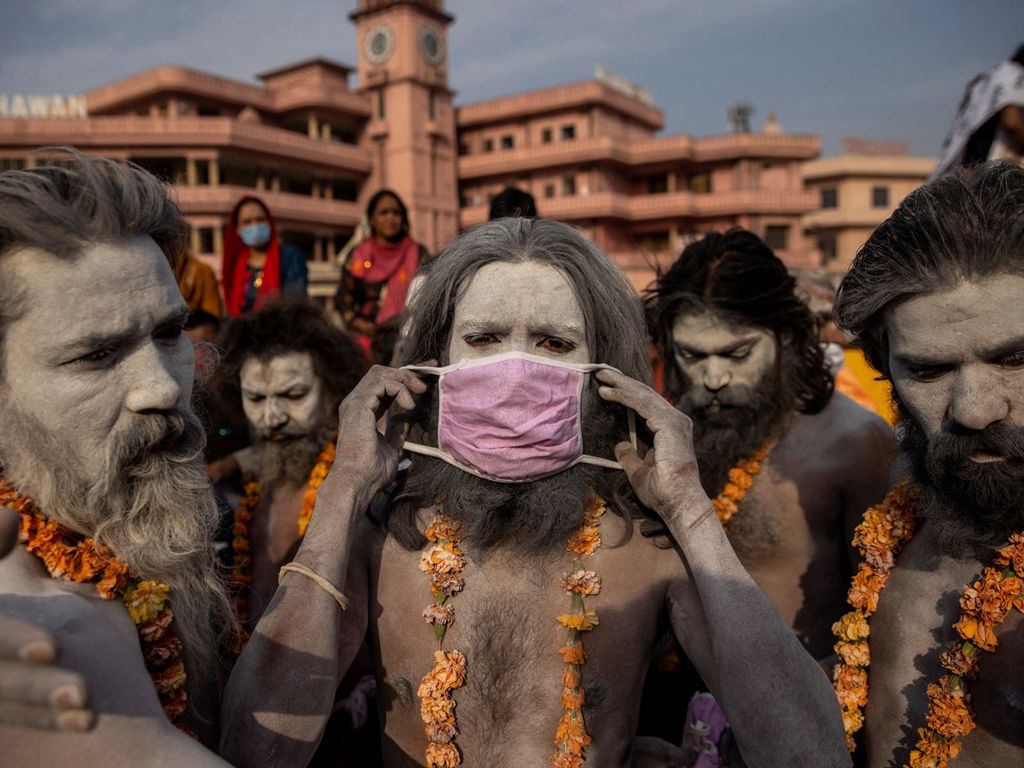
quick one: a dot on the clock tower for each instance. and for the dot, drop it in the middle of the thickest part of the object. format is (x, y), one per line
(403, 67)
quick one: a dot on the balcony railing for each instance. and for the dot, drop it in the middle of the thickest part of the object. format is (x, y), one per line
(286, 206)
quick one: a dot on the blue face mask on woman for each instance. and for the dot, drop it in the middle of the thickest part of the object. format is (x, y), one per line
(255, 235)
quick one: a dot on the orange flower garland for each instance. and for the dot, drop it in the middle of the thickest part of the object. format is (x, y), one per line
(572, 738)
(443, 563)
(72, 557)
(885, 530)
(741, 477)
(241, 571)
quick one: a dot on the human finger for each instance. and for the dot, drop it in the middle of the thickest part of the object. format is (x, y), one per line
(23, 640)
(41, 684)
(46, 718)
(627, 456)
(8, 529)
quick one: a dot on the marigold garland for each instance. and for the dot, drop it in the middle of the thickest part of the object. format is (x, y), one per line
(241, 571)
(741, 477)
(571, 738)
(885, 530)
(71, 557)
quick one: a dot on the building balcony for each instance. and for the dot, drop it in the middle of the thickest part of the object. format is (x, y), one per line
(636, 154)
(839, 218)
(285, 206)
(131, 133)
(667, 205)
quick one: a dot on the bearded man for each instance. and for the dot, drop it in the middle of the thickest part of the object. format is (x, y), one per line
(103, 459)
(511, 613)
(791, 465)
(288, 369)
(936, 299)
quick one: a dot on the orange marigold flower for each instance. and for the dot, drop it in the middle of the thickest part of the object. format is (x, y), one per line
(442, 558)
(1013, 554)
(159, 653)
(949, 713)
(442, 528)
(573, 654)
(153, 630)
(251, 489)
(445, 584)
(442, 755)
(566, 760)
(437, 710)
(853, 720)
(174, 703)
(958, 662)
(739, 478)
(851, 626)
(584, 582)
(851, 684)
(978, 633)
(571, 698)
(570, 678)
(168, 679)
(570, 726)
(733, 492)
(584, 541)
(441, 733)
(970, 601)
(582, 621)
(866, 586)
(145, 601)
(439, 614)
(854, 654)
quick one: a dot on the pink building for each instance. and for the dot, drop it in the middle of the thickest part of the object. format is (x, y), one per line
(316, 149)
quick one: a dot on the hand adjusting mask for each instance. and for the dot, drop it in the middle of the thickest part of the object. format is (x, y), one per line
(512, 417)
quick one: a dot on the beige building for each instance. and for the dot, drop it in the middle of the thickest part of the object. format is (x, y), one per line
(856, 192)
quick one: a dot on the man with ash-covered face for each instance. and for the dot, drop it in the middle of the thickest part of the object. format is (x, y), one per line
(288, 369)
(98, 442)
(935, 299)
(742, 359)
(555, 605)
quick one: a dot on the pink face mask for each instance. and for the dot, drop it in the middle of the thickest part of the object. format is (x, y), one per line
(511, 417)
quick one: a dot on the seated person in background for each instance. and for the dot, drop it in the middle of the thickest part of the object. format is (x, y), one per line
(376, 275)
(256, 264)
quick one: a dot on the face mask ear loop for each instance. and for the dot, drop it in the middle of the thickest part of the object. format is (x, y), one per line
(631, 421)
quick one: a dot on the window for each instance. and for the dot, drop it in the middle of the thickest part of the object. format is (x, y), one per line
(654, 242)
(700, 183)
(549, 190)
(431, 106)
(380, 103)
(488, 145)
(879, 197)
(568, 132)
(828, 247)
(568, 185)
(776, 236)
(507, 142)
(206, 240)
(545, 136)
(463, 148)
(657, 184)
(829, 197)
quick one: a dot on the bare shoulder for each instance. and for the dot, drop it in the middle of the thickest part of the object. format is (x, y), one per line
(97, 639)
(843, 431)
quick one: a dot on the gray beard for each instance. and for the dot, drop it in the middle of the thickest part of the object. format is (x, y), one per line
(151, 506)
(289, 462)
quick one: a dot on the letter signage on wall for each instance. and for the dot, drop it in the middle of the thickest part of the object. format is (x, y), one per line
(41, 105)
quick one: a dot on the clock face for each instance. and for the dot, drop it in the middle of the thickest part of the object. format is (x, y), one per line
(431, 46)
(380, 42)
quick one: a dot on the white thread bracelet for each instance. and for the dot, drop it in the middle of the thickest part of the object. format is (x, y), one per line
(323, 583)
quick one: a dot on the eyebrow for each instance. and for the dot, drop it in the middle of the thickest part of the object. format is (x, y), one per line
(911, 360)
(480, 325)
(97, 340)
(717, 350)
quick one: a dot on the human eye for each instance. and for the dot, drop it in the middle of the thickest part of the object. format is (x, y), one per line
(104, 355)
(170, 333)
(296, 394)
(254, 397)
(740, 354)
(928, 373)
(555, 344)
(1012, 361)
(687, 355)
(480, 339)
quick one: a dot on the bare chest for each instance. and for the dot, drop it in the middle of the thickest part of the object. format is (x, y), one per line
(913, 626)
(274, 538)
(506, 626)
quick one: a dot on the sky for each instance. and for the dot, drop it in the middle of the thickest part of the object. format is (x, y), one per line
(879, 69)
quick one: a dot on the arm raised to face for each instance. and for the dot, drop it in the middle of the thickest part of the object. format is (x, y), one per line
(779, 702)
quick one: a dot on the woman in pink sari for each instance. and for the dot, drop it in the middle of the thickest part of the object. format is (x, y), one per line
(375, 278)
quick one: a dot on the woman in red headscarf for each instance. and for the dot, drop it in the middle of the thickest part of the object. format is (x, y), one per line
(375, 278)
(256, 265)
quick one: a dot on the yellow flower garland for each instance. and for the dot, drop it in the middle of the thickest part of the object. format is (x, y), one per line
(444, 562)
(885, 530)
(241, 571)
(69, 556)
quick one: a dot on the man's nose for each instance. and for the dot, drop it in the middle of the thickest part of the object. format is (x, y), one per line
(716, 374)
(978, 400)
(273, 415)
(156, 380)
